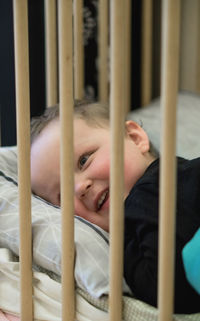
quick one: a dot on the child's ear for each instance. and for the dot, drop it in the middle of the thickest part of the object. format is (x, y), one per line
(137, 134)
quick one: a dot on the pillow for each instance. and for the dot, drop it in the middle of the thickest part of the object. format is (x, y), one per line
(188, 129)
(91, 242)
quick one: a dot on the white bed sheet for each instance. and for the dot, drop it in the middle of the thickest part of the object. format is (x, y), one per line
(47, 294)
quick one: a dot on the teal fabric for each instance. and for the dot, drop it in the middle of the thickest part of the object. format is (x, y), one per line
(191, 261)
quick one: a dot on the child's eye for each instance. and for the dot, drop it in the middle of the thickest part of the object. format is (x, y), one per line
(82, 160)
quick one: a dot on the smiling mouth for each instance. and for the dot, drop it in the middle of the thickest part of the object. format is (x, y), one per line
(102, 200)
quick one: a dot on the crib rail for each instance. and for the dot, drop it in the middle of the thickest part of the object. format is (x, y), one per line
(51, 52)
(117, 115)
(67, 163)
(78, 50)
(23, 141)
(146, 65)
(170, 72)
(103, 51)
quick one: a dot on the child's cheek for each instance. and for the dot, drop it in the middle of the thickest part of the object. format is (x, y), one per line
(106, 170)
(80, 209)
(101, 168)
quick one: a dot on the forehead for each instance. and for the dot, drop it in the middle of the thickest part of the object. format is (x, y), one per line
(45, 156)
(45, 148)
(51, 130)
(84, 131)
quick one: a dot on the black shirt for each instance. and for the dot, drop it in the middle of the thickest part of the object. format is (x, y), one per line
(141, 234)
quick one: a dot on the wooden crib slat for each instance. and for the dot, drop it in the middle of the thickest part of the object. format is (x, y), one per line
(51, 53)
(169, 87)
(103, 50)
(67, 164)
(117, 103)
(0, 129)
(146, 65)
(127, 58)
(190, 46)
(78, 50)
(23, 141)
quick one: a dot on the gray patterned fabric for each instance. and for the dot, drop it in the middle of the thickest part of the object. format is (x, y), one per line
(91, 268)
(91, 242)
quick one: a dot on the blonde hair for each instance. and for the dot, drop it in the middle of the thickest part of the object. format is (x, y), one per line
(38, 123)
(95, 114)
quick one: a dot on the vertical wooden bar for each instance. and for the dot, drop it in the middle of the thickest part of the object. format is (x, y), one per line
(169, 87)
(197, 74)
(103, 50)
(117, 102)
(67, 164)
(146, 65)
(127, 58)
(190, 46)
(23, 141)
(51, 53)
(0, 127)
(78, 50)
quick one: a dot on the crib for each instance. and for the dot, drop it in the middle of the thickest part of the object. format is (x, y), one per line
(45, 295)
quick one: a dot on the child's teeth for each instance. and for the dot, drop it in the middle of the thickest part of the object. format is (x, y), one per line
(101, 199)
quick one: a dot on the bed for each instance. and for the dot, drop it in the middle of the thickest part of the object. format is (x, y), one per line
(92, 244)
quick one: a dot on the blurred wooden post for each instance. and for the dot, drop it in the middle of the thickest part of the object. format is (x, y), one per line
(117, 102)
(169, 88)
(103, 71)
(127, 58)
(190, 46)
(146, 65)
(51, 53)
(78, 50)
(0, 127)
(23, 142)
(67, 162)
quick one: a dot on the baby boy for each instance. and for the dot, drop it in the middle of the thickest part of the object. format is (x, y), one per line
(141, 193)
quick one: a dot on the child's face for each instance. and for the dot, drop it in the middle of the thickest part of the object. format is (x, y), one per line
(91, 166)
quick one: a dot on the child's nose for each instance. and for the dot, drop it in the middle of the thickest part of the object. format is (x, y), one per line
(82, 188)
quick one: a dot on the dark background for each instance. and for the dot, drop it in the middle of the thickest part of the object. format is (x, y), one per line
(37, 62)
